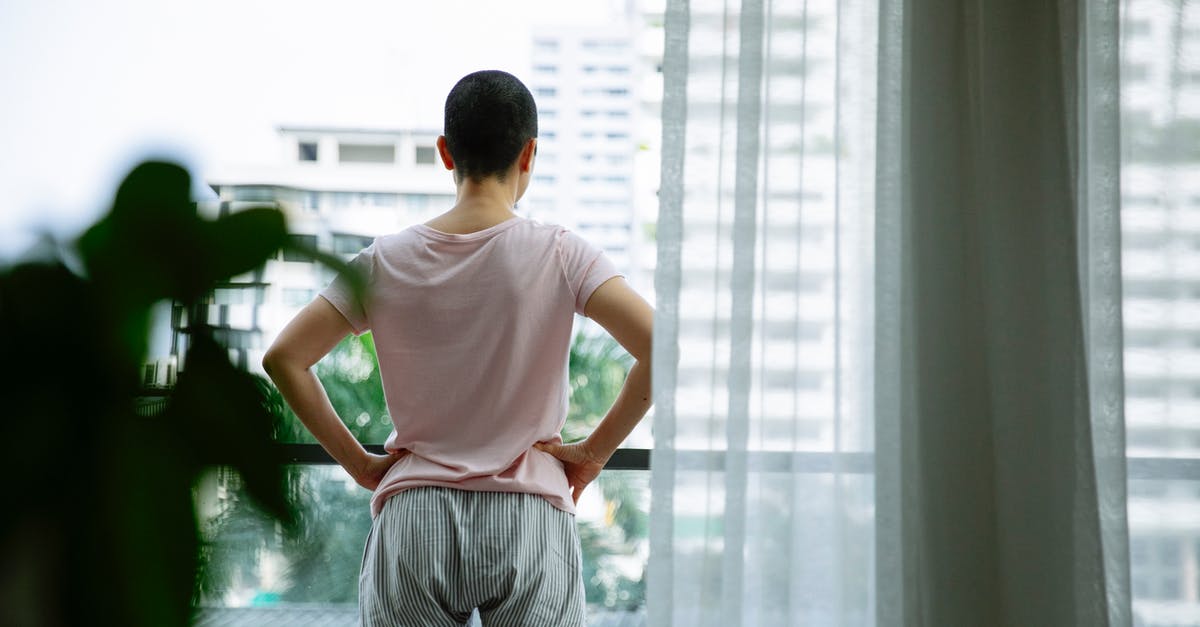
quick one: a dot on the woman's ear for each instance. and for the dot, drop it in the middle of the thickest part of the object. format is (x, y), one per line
(525, 161)
(444, 152)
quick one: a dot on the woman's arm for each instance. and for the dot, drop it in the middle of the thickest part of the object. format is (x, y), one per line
(630, 320)
(314, 332)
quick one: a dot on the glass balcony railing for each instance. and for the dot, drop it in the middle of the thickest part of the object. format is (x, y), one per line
(254, 572)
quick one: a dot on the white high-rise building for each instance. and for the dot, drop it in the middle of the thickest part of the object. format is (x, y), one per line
(585, 82)
(803, 187)
(1160, 232)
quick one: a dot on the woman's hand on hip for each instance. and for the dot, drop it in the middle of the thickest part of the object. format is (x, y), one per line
(580, 462)
(372, 470)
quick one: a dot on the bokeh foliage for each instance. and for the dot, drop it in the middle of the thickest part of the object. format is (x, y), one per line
(100, 525)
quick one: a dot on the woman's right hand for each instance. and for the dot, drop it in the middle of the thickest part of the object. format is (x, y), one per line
(373, 467)
(580, 462)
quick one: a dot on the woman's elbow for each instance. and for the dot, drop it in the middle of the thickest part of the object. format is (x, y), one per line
(273, 361)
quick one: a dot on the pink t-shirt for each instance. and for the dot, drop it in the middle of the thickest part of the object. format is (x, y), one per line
(473, 333)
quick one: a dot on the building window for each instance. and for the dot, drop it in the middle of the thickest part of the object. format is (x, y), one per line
(546, 92)
(416, 202)
(297, 296)
(606, 91)
(310, 200)
(1135, 72)
(548, 135)
(308, 151)
(344, 244)
(367, 153)
(617, 135)
(255, 193)
(545, 45)
(1136, 28)
(546, 69)
(426, 155)
(601, 45)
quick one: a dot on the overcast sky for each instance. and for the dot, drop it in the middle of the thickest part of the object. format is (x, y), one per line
(90, 88)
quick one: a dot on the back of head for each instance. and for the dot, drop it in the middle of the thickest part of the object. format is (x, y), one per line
(490, 115)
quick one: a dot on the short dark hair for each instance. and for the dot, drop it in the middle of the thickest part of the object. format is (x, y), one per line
(489, 116)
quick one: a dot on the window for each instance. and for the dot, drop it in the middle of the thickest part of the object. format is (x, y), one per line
(1135, 28)
(416, 202)
(604, 45)
(545, 92)
(605, 91)
(297, 296)
(426, 155)
(367, 153)
(344, 244)
(1137, 72)
(308, 151)
(255, 193)
(546, 69)
(545, 45)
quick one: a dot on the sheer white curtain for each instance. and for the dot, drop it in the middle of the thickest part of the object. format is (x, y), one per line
(887, 353)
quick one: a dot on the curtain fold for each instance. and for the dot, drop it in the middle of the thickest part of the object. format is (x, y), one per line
(888, 352)
(1017, 536)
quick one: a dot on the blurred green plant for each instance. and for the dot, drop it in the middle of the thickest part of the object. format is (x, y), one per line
(101, 526)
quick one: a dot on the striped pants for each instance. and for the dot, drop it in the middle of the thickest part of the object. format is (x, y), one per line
(434, 554)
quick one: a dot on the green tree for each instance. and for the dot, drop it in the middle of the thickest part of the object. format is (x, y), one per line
(350, 376)
(598, 366)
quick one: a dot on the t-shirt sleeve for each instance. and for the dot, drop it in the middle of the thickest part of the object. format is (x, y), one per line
(585, 267)
(340, 292)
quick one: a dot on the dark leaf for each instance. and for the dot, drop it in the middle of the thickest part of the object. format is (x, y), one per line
(244, 240)
(223, 412)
